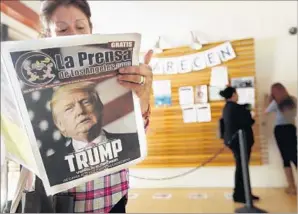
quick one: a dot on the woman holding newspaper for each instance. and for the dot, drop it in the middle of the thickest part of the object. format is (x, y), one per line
(72, 17)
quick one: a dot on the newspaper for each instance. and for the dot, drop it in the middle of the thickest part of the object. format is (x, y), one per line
(12, 128)
(66, 117)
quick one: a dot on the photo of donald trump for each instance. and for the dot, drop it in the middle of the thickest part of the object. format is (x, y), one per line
(77, 112)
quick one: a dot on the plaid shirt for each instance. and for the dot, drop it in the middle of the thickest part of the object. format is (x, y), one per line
(102, 194)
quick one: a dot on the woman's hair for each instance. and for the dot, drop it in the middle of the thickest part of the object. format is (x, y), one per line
(228, 92)
(49, 6)
(281, 96)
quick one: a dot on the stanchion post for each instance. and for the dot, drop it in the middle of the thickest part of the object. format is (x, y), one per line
(249, 207)
(245, 170)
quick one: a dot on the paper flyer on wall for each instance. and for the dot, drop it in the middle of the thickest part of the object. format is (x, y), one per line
(245, 90)
(186, 95)
(162, 92)
(196, 113)
(246, 96)
(201, 94)
(189, 114)
(203, 112)
(243, 82)
(79, 121)
(219, 76)
(214, 93)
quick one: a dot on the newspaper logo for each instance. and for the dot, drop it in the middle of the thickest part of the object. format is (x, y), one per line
(36, 68)
(122, 45)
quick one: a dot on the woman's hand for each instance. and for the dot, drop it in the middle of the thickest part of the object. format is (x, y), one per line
(267, 100)
(139, 79)
(253, 114)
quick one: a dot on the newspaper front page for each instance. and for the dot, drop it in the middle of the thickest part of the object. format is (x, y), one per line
(80, 122)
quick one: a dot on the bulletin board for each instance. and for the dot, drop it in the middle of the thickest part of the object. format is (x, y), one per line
(173, 143)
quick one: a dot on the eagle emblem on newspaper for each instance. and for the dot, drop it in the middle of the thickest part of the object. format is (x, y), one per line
(36, 68)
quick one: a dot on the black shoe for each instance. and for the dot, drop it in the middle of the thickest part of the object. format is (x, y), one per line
(239, 200)
(255, 198)
(242, 199)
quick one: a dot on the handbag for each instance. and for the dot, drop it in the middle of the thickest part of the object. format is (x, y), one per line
(220, 129)
(38, 201)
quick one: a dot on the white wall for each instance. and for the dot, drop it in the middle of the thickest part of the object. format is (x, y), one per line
(276, 60)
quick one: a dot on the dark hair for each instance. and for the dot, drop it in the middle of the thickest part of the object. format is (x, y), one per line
(282, 97)
(287, 103)
(228, 92)
(49, 6)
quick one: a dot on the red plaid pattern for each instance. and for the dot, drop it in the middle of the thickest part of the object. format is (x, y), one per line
(102, 194)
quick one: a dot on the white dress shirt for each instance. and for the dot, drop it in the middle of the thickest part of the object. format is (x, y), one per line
(80, 145)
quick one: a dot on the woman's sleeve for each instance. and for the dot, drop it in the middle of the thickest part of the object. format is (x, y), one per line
(146, 118)
(272, 107)
(244, 117)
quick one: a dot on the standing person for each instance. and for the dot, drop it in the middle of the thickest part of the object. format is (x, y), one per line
(285, 107)
(73, 17)
(236, 117)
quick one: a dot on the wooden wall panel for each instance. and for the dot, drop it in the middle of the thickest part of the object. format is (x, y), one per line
(173, 143)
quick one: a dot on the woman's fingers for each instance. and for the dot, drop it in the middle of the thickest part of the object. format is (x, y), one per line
(133, 78)
(142, 69)
(148, 57)
(135, 87)
(130, 70)
(139, 79)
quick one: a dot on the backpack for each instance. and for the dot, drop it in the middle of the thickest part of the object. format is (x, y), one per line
(221, 129)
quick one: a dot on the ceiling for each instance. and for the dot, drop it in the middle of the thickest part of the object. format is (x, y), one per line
(34, 5)
(174, 20)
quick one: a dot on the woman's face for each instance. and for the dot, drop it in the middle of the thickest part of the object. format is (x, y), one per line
(235, 97)
(278, 93)
(68, 20)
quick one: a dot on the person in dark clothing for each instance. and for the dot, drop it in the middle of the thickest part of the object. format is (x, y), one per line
(234, 118)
